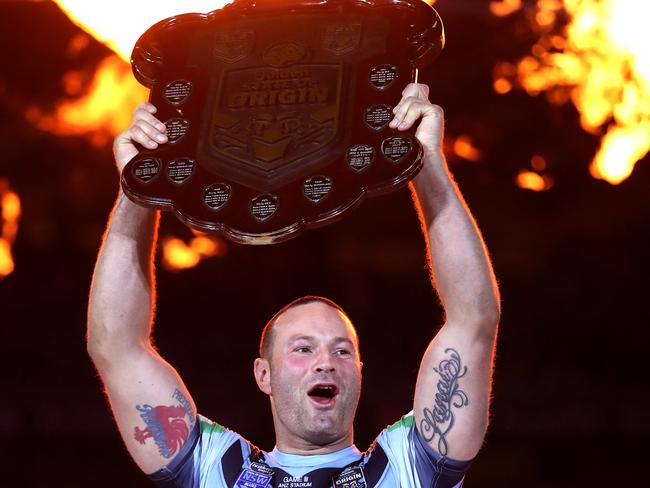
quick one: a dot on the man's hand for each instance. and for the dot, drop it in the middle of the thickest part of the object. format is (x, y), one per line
(414, 105)
(145, 129)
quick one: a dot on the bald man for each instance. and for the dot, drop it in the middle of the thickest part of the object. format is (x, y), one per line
(309, 363)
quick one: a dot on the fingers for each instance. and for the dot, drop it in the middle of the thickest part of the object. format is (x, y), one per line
(417, 90)
(145, 111)
(146, 134)
(410, 110)
(414, 104)
(146, 129)
(405, 114)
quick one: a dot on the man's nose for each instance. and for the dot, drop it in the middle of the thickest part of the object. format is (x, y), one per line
(324, 363)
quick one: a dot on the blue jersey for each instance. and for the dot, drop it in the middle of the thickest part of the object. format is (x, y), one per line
(215, 457)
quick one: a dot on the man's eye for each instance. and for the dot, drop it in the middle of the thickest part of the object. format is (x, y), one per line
(302, 349)
(342, 352)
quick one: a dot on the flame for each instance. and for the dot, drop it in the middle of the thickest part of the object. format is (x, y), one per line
(119, 29)
(600, 61)
(533, 180)
(11, 210)
(502, 75)
(501, 8)
(102, 112)
(538, 163)
(178, 255)
(622, 147)
(464, 148)
(102, 108)
(529, 180)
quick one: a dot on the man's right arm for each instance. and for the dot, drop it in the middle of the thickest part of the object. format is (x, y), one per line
(152, 408)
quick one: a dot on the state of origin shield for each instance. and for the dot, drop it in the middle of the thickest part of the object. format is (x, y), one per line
(277, 111)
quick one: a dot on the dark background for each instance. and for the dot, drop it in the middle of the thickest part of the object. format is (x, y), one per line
(570, 388)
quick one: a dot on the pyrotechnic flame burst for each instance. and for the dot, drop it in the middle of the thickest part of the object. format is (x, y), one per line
(505, 7)
(10, 211)
(599, 60)
(177, 255)
(102, 112)
(104, 107)
(464, 147)
(119, 28)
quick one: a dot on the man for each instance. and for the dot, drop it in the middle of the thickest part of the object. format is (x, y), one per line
(309, 362)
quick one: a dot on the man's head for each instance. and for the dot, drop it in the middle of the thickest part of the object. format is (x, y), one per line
(309, 366)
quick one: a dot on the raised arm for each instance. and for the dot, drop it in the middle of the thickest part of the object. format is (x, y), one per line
(152, 407)
(452, 394)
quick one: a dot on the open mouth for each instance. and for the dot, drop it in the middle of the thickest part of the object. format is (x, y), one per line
(323, 393)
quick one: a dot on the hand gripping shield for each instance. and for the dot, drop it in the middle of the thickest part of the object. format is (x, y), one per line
(277, 111)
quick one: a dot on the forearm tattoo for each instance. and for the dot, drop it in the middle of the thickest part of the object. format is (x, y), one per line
(166, 424)
(439, 420)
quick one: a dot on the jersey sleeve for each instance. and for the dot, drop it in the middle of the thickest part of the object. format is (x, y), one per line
(412, 462)
(201, 460)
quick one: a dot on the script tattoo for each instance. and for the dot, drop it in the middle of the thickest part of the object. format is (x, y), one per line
(178, 395)
(165, 424)
(439, 420)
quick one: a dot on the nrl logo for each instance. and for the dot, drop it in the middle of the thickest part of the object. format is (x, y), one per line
(233, 46)
(341, 39)
(284, 54)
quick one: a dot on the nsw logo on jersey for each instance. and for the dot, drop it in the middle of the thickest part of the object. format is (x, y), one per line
(259, 475)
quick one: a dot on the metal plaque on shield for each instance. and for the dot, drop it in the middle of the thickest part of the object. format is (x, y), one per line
(277, 111)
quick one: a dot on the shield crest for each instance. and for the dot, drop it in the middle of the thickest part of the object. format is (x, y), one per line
(233, 46)
(268, 120)
(277, 114)
(341, 38)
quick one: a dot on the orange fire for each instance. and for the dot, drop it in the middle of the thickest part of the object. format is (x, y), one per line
(502, 8)
(102, 112)
(100, 106)
(10, 211)
(119, 29)
(177, 255)
(600, 61)
(464, 147)
(534, 179)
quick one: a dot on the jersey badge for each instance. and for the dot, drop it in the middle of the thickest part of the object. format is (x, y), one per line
(258, 475)
(351, 477)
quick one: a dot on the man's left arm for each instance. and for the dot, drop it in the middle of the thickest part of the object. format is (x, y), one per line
(452, 394)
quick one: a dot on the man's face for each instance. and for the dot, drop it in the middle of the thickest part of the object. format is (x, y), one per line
(315, 374)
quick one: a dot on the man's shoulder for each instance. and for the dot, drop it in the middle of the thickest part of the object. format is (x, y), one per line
(405, 422)
(410, 461)
(213, 452)
(397, 432)
(209, 427)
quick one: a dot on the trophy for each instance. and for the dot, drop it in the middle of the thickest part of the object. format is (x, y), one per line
(277, 111)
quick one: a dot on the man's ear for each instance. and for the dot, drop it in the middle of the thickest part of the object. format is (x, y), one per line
(262, 372)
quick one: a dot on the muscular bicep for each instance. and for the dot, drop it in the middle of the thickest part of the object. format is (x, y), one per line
(153, 409)
(452, 394)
